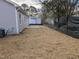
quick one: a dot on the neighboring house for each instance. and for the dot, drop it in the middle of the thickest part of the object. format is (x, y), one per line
(12, 17)
(35, 20)
(34, 17)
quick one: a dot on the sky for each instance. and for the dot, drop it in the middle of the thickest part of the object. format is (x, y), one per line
(29, 2)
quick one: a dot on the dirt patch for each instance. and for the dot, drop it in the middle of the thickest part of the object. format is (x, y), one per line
(39, 43)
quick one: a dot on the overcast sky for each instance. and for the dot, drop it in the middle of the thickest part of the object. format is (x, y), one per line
(29, 2)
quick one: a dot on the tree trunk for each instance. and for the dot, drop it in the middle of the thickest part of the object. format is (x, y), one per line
(67, 22)
(58, 17)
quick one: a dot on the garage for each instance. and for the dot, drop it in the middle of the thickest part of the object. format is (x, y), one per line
(34, 20)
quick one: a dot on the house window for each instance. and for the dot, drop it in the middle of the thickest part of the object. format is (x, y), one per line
(20, 18)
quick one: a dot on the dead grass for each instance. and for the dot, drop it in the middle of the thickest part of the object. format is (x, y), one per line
(39, 43)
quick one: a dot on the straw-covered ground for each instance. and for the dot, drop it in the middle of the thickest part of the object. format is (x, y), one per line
(39, 43)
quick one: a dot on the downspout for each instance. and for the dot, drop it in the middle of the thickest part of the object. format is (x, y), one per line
(17, 27)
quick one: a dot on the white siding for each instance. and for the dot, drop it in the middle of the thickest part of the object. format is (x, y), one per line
(7, 17)
(23, 22)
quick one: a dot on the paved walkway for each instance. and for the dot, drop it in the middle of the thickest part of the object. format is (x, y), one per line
(39, 43)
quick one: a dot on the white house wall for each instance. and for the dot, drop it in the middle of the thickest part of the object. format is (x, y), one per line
(7, 17)
(24, 22)
(27, 21)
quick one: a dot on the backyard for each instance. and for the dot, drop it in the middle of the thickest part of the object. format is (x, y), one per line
(39, 43)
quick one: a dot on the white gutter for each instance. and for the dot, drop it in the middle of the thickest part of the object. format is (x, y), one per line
(17, 26)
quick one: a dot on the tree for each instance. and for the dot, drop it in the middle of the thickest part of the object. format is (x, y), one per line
(59, 8)
(32, 10)
(25, 6)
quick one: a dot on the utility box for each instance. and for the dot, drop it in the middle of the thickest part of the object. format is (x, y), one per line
(2, 33)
